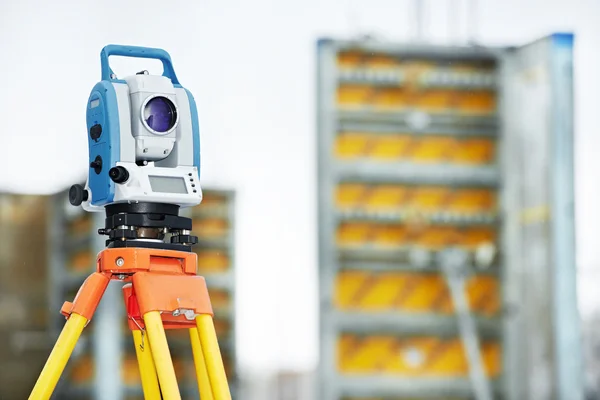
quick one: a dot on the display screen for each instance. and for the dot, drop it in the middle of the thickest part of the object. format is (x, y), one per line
(168, 184)
(94, 103)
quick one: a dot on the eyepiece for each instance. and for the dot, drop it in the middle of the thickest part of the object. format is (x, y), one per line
(118, 174)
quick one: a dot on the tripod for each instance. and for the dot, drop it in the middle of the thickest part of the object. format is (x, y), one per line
(162, 291)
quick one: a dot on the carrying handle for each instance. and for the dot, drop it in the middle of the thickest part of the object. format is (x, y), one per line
(137, 52)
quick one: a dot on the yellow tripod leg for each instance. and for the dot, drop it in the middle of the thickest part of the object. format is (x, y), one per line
(147, 368)
(201, 372)
(58, 358)
(212, 357)
(161, 356)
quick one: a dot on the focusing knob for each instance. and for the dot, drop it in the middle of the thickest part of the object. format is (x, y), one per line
(118, 174)
(77, 195)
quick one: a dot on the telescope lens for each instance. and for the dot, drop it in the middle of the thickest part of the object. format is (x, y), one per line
(160, 114)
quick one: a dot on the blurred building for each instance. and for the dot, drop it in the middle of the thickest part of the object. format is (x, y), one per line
(24, 310)
(447, 259)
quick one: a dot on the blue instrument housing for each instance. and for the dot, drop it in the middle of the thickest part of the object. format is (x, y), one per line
(103, 112)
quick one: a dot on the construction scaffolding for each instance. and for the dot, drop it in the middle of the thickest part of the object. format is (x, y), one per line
(422, 153)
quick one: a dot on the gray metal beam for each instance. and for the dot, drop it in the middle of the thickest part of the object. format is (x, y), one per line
(408, 324)
(392, 266)
(397, 386)
(400, 126)
(410, 173)
(434, 218)
(407, 50)
(403, 118)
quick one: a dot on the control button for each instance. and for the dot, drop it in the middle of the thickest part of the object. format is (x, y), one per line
(96, 132)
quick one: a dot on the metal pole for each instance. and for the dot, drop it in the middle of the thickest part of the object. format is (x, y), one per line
(453, 20)
(454, 266)
(419, 20)
(569, 367)
(473, 14)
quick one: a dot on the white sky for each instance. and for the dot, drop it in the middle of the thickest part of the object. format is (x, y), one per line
(251, 68)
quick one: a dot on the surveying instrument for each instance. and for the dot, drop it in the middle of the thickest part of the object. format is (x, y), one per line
(144, 152)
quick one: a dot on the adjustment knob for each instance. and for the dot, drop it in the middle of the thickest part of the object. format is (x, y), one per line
(96, 132)
(118, 174)
(77, 195)
(96, 165)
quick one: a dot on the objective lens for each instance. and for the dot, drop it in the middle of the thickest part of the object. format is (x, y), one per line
(160, 114)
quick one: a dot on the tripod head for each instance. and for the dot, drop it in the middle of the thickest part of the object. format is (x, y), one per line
(144, 154)
(148, 225)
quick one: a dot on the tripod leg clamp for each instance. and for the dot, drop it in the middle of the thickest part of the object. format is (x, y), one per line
(169, 295)
(88, 297)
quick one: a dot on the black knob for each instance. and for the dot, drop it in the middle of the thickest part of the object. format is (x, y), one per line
(97, 164)
(118, 174)
(96, 132)
(77, 195)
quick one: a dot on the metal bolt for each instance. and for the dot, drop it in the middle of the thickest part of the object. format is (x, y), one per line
(176, 313)
(121, 277)
(190, 315)
(145, 150)
(166, 151)
(113, 76)
(120, 262)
